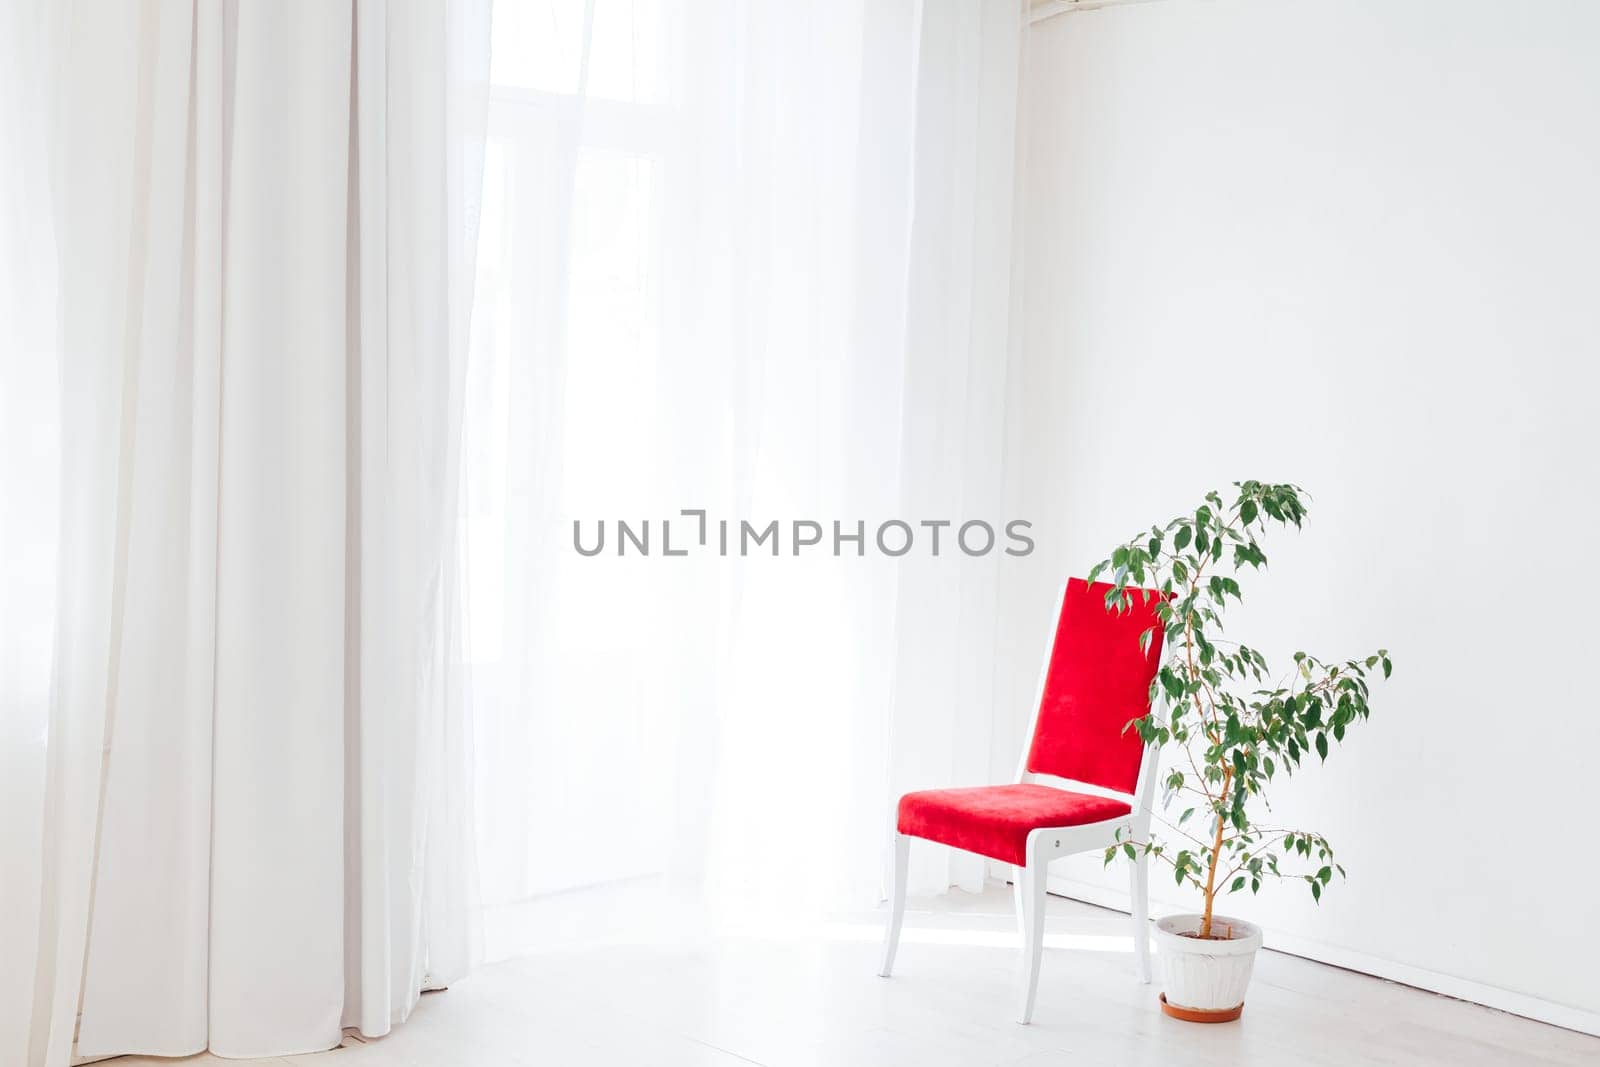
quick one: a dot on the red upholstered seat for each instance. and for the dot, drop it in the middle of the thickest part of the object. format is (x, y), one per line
(994, 820)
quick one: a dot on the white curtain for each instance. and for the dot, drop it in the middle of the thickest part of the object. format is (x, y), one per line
(244, 814)
(750, 258)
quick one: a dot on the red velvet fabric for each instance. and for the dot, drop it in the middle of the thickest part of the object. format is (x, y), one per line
(994, 820)
(1098, 680)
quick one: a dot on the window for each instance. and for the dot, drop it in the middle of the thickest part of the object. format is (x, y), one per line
(561, 414)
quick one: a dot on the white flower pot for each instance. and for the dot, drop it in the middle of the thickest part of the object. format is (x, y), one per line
(1205, 981)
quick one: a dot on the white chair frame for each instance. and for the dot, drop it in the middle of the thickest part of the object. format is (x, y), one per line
(1050, 843)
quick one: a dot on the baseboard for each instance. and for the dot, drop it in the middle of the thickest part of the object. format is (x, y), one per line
(1544, 1011)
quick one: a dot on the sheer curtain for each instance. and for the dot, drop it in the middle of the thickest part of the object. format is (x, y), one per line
(750, 259)
(241, 818)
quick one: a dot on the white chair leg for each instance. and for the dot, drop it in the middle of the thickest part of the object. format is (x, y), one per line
(1033, 883)
(1139, 890)
(897, 903)
(1016, 898)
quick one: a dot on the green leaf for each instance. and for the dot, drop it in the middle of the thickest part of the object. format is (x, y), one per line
(1322, 745)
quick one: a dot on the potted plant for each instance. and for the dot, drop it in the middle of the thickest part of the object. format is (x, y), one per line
(1236, 727)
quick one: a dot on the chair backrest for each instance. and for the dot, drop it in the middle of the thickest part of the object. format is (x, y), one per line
(1096, 679)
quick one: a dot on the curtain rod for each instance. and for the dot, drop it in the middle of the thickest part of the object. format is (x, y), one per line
(1049, 9)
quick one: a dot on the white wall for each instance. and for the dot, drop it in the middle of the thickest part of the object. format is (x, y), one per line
(1354, 246)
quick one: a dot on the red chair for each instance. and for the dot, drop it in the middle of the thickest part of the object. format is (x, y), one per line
(1081, 779)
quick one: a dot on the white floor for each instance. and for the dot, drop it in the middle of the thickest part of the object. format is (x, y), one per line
(801, 995)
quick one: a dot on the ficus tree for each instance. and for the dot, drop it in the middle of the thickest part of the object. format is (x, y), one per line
(1235, 726)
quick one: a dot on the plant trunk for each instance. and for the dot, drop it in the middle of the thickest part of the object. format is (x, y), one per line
(1216, 857)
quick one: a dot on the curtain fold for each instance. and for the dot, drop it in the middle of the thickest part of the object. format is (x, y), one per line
(958, 341)
(253, 792)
